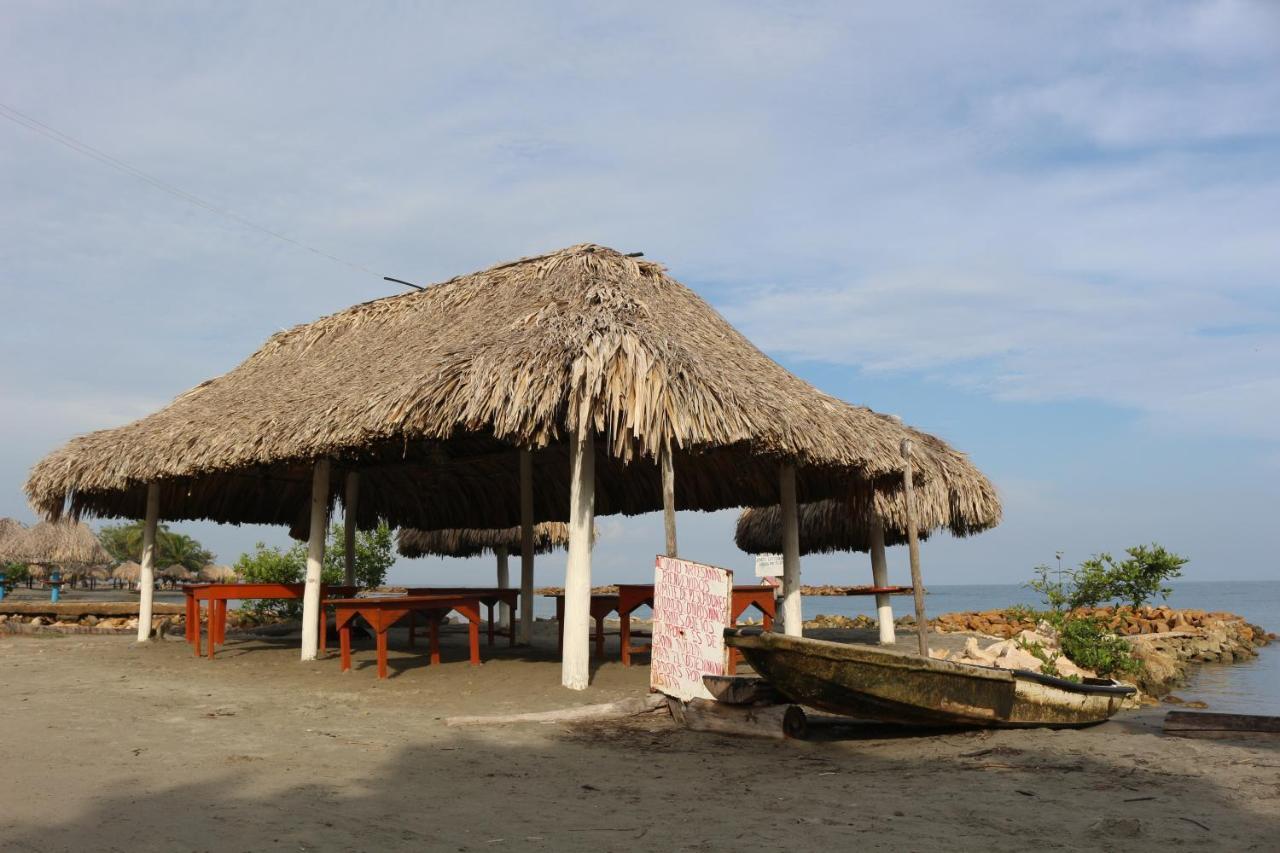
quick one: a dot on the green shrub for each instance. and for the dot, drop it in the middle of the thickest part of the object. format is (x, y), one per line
(1091, 645)
(374, 556)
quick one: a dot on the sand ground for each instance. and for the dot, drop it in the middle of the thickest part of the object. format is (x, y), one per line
(107, 745)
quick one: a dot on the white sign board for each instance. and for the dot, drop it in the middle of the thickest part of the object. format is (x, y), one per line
(691, 609)
(768, 565)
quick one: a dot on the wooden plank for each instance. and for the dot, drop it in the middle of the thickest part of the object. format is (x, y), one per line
(741, 689)
(1188, 721)
(579, 714)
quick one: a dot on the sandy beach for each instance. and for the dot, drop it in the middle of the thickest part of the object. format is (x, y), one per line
(113, 746)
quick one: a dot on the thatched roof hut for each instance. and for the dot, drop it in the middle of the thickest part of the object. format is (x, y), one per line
(65, 544)
(218, 574)
(176, 572)
(473, 542)
(429, 393)
(962, 501)
(10, 529)
(128, 572)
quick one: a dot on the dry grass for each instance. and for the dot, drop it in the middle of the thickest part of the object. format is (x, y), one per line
(962, 501)
(65, 544)
(429, 394)
(471, 542)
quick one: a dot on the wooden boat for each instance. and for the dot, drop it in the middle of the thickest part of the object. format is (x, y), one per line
(885, 684)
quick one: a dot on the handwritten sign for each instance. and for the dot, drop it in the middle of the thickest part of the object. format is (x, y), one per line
(768, 565)
(691, 609)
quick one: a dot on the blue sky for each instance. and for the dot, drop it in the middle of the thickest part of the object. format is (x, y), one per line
(1049, 235)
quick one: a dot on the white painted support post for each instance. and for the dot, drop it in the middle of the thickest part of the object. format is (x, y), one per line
(880, 578)
(349, 507)
(913, 545)
(147, 575)
(576, 663)
(526, 547)
(311, 611)
(669, 500)
(792, 614)
(504, 581)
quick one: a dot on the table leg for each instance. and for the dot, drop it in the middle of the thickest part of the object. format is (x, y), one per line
(344, 642)
(193, 618)
(382, 653)
(624, 637)
(324, 630)
(490, 606)
(433, 625)
(196, 642)
(222, 621)
(413, 629)
(511, 623)
(599, 636)
(473, 634)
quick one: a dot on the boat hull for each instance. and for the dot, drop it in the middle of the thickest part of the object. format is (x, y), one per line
(884, 684)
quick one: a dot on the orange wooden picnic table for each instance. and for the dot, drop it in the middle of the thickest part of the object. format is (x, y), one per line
(218, 594)
(489, 596)
(633, 596)
(382, 612)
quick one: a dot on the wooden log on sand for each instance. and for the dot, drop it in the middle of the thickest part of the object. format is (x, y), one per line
(579, 714)
(771, 721)
(1221, 726)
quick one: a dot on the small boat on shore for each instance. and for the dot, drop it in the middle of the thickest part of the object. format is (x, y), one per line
(893, 686)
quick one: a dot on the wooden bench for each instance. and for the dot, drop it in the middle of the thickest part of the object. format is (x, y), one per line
(218, 594)
(384, 611)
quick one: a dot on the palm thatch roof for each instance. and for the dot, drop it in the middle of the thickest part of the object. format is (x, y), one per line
(10, 529)
(470, 542)
(429, 394)
(962, 501)
(65, 544)
(177, 572)
(129, 572)
(218, 574)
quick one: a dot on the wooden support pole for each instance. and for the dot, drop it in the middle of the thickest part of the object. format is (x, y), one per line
(526, 547)
(913, 545)
(576, 660)
(669, 499)
(880, 578)
(147, 575)
(311, 610)
(504, 581)
(349, 507)
(792, 615)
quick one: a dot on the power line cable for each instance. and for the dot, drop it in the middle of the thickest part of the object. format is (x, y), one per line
(63, 139)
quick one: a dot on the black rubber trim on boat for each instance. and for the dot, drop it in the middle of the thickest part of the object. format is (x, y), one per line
(1075, 686)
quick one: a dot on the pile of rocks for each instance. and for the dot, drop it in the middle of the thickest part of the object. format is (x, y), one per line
(824, 621)
(1163, 639)
(87, 624)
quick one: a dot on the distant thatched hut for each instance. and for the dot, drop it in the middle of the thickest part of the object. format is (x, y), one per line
(69, 547)
(10, 530)
(961, 500)
(218, 574)
(553, 388)
(127, 573)
(412, 543)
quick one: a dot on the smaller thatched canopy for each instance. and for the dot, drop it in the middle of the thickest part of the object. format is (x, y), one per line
(177, 572)
(962, 501)
(218, 574)
(57, 543)
(10, 530)
(470, 542)
(129, 572)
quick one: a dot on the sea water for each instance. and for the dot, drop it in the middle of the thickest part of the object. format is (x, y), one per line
(1250, 687)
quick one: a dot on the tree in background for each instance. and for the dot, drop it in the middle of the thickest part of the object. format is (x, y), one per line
(124, 542)
(374, 556)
